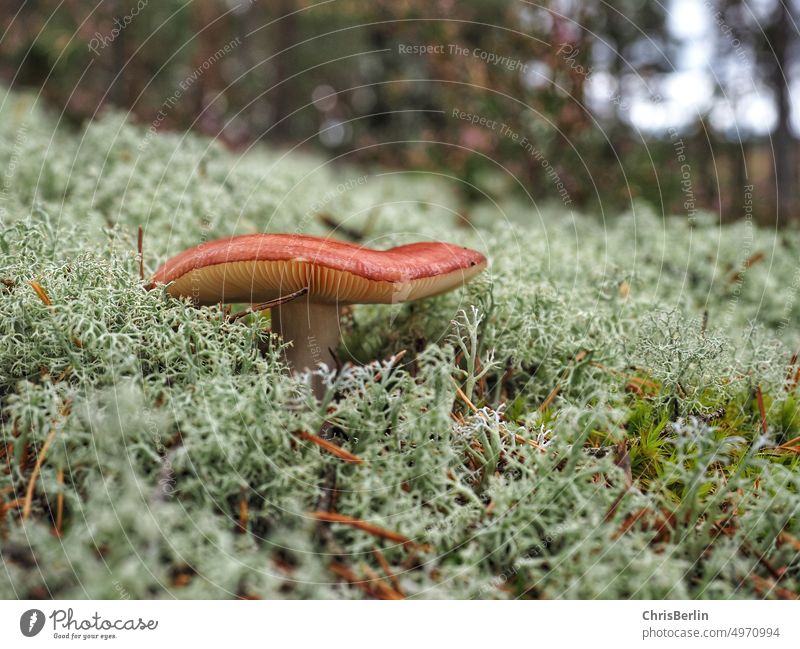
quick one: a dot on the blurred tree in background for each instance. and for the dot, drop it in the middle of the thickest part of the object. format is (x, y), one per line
(591, 104)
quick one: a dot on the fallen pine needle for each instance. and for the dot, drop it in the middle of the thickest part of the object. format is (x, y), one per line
(550, 397)
(387, 570)
(369, 528)
(392, 362)
(26, 510)
(384, 590)
(765, 586)
(522, 440)
(329, 446)
(37, 287)
(465, 399)
(343, 572)
(785, 537)
(244, 511)
(555, 391)
(762, 411)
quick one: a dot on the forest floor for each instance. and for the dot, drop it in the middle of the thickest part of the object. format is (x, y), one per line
(609, 411)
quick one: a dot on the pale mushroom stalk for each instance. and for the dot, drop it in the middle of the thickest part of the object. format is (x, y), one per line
(311, 328)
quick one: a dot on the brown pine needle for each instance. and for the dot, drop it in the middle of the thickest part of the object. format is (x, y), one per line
(766, 586)
(329, 446)
(522, 440)
(555, 391)
(550, 397)
(387, 570)
(392, 362)
(5, 507)
(761, 409)
(244, 511)
(26, 510)
(36, 286)
(369, 528)
(785, 537)
(283, 299)
(791, 442)
(343, 572)
(465, 399)
(384, 590)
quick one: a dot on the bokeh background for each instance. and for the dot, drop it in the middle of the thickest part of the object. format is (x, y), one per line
(680, 103)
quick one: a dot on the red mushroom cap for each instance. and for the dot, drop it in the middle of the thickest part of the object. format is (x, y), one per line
(261, 267)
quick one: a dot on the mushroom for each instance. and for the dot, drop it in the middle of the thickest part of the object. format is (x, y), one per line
(257, 268)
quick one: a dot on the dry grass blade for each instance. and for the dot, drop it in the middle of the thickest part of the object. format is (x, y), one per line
(329, 446)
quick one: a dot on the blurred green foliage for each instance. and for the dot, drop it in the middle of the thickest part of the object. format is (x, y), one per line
(339, 76)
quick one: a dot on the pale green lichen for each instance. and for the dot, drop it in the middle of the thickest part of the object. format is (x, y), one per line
(166, 418)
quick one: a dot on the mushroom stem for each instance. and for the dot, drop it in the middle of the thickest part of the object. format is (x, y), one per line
(313, 330)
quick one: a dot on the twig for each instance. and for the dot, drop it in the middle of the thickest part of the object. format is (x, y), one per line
(269, 304)
(369, 528)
